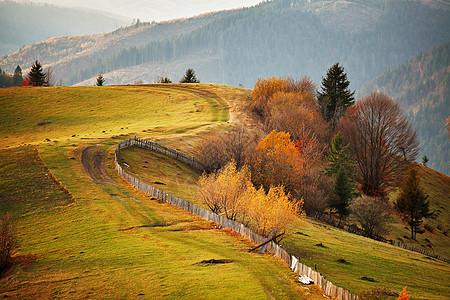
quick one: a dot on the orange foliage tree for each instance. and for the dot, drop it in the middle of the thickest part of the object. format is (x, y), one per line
(277, 162)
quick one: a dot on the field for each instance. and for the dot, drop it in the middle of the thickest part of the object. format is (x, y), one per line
(96, 237)
(390, 267)
(85, 233)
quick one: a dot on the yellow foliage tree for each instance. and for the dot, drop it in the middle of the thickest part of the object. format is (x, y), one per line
(221, 191)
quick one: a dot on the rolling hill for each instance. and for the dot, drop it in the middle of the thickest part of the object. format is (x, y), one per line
(236, 47)
(89, 234)
(23, 24)
(421, 86)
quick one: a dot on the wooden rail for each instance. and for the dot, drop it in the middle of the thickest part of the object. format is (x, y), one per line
(327, 286)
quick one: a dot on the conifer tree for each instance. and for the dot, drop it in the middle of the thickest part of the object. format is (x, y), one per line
(335, 96)
(100, 80)
(189, 77)
(17, 77)
(412, 202)
(36, 75)
(339, 166)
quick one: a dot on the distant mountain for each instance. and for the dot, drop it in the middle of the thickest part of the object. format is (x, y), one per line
(156, 10)
(280, 38)
(23, 24)
(421, 86)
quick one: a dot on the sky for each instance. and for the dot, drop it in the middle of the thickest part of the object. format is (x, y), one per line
(155, 10)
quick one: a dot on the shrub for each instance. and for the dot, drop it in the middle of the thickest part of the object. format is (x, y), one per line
(372, 214)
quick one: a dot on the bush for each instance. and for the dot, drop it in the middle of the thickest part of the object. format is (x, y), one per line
(372, 214)
(7, 240)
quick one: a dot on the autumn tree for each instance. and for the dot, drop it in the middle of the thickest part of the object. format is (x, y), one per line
(412, 202)
(221, 191)
(335, 96)
(272, 213)
(189, 77)
(380, 140)
(372, 214)
(340, 166)
(36, 75)
(276, 162)
(100, 80)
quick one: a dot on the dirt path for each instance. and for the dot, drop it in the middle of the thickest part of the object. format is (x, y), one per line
(93, 160)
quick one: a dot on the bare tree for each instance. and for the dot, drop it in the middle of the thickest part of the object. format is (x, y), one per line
(372, 214)
(49, 77)
(380, 141)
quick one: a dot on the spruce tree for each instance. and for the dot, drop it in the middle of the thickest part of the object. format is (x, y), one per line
(335, 96)
(412, 202)
(36, 75)
(189, 77)
(100, 80)
(17, 77)
(339, 166)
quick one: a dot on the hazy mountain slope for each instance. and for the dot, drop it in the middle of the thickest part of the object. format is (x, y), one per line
(27, 23)
(421, 86)
(158, 10)
(284, 37)
(69, 55)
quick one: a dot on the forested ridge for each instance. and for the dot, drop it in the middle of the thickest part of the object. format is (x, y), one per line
(421, 86)
(291, 38)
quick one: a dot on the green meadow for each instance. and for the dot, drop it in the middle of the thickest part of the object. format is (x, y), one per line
(81, 238)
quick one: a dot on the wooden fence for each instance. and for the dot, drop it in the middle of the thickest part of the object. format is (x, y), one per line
(328, 287)
(359, 231)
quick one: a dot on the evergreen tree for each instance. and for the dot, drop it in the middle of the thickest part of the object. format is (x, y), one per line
(100, 80)
(189, 77)
(36, 75)
(335, 96)
(339, 166)
(17, 77)
(412, 202)
(425, 160)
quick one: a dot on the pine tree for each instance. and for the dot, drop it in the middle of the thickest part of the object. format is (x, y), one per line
(335, 96)
(17, 77)
(36, 75)
(339, 166)
(189, 77)
(412, 202)
(100, 80)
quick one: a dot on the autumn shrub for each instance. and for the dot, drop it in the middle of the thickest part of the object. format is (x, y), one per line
(230, 192)
(216, 150)
(7, 240)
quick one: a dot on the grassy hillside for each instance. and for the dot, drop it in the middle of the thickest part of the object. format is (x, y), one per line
(389, 266)
(99, 238)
